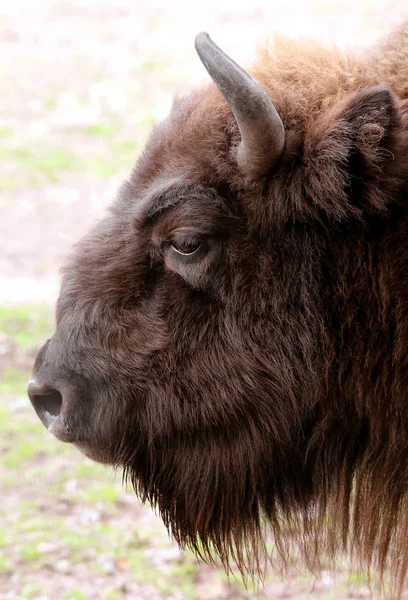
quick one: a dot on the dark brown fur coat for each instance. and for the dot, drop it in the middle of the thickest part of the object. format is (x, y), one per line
(268, 384)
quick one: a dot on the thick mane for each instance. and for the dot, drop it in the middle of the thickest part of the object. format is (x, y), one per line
(304, 78)
(340, 483)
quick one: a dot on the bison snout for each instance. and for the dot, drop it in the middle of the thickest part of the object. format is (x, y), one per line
(48, 404)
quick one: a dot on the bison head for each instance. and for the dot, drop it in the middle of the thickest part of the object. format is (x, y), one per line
(233, 332)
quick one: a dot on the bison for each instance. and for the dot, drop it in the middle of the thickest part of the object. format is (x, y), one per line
(234, 332)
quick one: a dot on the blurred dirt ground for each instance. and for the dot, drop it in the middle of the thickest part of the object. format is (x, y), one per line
(81, 83)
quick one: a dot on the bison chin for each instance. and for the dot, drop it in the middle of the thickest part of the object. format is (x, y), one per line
(95, 452)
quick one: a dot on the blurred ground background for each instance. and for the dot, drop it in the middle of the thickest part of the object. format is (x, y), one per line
(81, 83)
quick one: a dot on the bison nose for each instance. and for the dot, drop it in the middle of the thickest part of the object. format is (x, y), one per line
(47, 402)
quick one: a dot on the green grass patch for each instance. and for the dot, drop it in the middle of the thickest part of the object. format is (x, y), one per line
(5, 565)
(150, 65)
(51, 103)
(186, 569)
(75, 595)
(29, 553)
(103, 168)
(33, 590)
(5, 415)
(119, 156)
(8, 183)
(5, 539)
(77, 539)
(28, 325)
(52, 163)
(100, 130)
(39, 163)
(100, 536)
(108, 152)
(21, 452)
(113, 594)
(13, 383)
(139, 567)
(101, 492)
(6, 132)
(25, 424)
(35, 524)
(357, 580)
(89, 471)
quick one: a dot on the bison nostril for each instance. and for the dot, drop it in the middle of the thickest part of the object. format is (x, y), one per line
(47, 402)
(50, 402)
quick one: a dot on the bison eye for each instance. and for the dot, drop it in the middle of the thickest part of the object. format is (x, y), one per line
(186, 247)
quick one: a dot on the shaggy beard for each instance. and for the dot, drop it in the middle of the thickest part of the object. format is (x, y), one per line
(250, 506)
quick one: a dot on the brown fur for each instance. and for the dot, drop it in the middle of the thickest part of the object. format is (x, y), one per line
(268, 381)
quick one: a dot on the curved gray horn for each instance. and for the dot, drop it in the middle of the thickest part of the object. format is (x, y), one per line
(261, 129)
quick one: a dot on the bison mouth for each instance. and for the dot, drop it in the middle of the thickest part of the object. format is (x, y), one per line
(50, 407)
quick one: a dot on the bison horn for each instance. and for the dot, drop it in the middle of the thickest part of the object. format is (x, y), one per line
(261, 128)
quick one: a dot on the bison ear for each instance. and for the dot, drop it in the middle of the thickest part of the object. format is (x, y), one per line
(350, 153)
